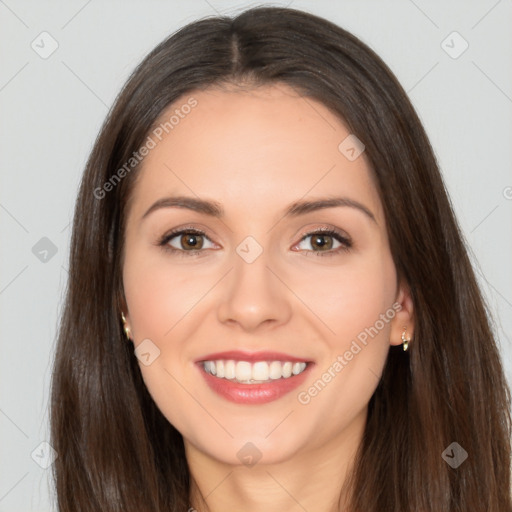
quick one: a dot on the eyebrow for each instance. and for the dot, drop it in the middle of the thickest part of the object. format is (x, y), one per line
(214, 209)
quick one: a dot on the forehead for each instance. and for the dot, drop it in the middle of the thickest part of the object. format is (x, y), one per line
(246, 148)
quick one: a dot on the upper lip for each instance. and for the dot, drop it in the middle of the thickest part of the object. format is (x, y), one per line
(239, 355)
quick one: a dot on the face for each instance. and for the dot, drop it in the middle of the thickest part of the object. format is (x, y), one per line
(255, 282)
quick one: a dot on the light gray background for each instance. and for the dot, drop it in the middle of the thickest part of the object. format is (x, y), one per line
(52, 109)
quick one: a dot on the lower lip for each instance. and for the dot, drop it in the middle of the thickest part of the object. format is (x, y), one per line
(254, 393)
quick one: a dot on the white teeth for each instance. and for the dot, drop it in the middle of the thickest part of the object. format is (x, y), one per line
(229, 369)
(297, 368)
(220, 368)
(243, 370)
(259, 371)
(275, 370)
(253, 373)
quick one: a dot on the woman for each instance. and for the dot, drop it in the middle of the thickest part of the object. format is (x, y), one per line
(270, 304)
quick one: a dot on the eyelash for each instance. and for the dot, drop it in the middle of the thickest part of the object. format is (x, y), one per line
(346, 243)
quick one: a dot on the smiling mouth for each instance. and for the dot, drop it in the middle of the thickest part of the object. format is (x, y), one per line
(259, 372)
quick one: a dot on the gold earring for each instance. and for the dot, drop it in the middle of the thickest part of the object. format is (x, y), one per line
(125, 327)
(405, 342)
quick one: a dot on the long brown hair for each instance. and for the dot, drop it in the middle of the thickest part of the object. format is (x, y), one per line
(117, 452)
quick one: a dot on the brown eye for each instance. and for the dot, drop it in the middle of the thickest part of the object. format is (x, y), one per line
(323, 242)
(191, 241)
(326, 243)
(186, 240)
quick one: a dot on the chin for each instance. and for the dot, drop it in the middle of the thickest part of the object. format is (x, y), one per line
(251, 447)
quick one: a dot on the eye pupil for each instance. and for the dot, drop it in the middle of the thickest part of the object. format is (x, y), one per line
(319, 241)
(190, 240)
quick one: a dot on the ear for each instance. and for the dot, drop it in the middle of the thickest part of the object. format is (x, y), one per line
(404, 316)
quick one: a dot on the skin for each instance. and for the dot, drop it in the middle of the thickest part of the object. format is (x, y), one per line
(255, 151)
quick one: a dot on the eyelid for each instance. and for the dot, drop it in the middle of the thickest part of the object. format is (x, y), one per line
(342, 238)
(325, 229)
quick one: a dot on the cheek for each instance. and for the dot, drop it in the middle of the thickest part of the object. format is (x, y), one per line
(358, 308)
(159, 300)
(158, 294)
(351, 299)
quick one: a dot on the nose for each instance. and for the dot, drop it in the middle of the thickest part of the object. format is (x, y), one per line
(254, 295)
